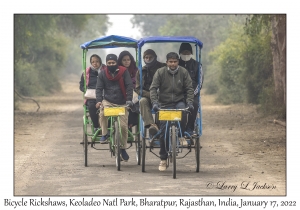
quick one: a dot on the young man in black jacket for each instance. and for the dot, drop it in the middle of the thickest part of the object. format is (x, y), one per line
(117, 85)
(193, 67)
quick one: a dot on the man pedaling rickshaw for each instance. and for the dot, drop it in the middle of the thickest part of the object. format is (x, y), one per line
(173, 82)
(117, 85)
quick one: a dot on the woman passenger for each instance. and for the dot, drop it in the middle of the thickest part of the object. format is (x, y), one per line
(91, 81)
(126, 59)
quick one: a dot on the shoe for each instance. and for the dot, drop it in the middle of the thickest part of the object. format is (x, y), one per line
(153, 129)
(103, 139)
(162, 165)
(124, 155)
(183, 142)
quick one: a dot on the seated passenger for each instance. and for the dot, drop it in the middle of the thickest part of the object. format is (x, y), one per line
(192, 66)
(116, 83)
(148, 71)
(172, 81)
(91, 81)
(126, 59)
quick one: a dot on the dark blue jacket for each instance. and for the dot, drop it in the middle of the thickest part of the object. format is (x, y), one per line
(112, 89)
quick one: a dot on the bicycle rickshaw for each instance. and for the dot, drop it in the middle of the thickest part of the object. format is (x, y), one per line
(106, 42)
(178, 142)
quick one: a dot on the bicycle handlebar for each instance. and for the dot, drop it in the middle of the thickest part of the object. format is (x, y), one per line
(185, 109)
(101, 107)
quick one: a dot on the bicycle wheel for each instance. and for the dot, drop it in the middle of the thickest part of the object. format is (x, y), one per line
(117, 144)
(143, 152)
(111, 138)
(85, 147)
(173, 132)
(197, 153)
(138, 149)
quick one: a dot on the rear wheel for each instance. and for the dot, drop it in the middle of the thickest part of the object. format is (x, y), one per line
(173, 136)
(117, 145)
(197, 153)
(143, 152)
(85, 146)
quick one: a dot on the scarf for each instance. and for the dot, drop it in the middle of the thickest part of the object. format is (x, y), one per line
(152, 63)
(118, 78)
(173, 71)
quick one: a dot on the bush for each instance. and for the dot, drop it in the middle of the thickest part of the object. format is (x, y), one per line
(229, 57)
(26, 79)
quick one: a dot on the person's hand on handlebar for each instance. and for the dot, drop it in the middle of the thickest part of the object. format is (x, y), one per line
(155, 106)
(129, 104)
(190, 107)
(98, 105)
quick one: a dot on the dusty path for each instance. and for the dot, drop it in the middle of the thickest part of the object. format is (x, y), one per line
(239, 147)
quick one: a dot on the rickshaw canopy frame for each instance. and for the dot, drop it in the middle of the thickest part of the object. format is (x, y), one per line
(111, 41)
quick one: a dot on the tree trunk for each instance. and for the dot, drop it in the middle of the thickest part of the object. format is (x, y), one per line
(279, 57)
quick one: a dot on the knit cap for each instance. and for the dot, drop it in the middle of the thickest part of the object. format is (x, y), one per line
(185, 46)
(111, 57)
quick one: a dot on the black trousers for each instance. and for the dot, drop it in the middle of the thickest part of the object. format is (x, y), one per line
(91, 104)
(133, 117)
(192, 116)
(162, 124)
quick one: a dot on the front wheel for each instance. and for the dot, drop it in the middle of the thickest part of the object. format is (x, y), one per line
(117, 145)
(174, 143)
(138, 149)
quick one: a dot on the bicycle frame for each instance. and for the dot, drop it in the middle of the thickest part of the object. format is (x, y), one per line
(169, 124)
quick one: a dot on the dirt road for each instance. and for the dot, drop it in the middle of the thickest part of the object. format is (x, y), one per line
(242, 154)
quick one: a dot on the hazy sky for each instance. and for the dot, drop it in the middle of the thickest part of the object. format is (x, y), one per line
(122, 26)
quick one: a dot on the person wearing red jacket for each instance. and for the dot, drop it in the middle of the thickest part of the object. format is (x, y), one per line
(116, 83)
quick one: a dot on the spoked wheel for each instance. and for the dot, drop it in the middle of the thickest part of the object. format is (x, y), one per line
(173, 131)
(197, 153)
(138, 149)
(117, 145)
(143, 152)
(85, 146)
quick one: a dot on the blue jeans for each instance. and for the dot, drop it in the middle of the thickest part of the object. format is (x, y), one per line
(162, 125)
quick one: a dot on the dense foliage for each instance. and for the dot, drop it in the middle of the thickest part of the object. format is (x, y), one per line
(47, 47)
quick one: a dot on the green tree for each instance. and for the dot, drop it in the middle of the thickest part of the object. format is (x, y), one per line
(43, 45)
(228, 57)
(266, 62)
(149, 24)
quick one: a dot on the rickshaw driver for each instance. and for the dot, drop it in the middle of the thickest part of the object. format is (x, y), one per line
(191, 65)
(148, 71)
(173, 81)
(117, 85)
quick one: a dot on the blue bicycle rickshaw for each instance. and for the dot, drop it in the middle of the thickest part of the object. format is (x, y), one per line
(107, 42)
(178, 142)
